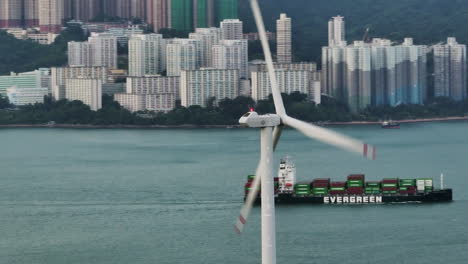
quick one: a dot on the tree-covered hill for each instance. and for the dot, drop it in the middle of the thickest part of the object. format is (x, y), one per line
(427, 21)
(25, 55)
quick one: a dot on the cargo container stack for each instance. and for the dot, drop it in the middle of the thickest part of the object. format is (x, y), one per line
(355, 184)
(302, 188)
(389, 186)
(407, 186)
(337, 188)
(424, 185)
(372, 187)
(320, 186)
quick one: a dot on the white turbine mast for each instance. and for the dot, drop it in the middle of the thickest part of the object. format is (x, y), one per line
(271, 127)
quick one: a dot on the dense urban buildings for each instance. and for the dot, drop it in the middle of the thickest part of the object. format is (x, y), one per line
(145, 54)
(51, 15)
(283, 39)
(198, 86)
(377, 73)
(182, 54)
(450, 70)
(231, 54)
(231, 29)
(99, 50)
(154, 93)
(336, 31)
(208, 37)
(86, 90)
(60, 75)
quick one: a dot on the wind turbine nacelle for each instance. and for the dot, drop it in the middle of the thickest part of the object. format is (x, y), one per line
(252, 119)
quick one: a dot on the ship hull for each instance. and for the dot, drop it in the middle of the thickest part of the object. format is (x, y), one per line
(430, 197)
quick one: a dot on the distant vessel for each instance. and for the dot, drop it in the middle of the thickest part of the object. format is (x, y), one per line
(355, 190)
(390, 124)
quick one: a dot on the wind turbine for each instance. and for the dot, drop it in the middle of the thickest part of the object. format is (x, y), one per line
(271, 126)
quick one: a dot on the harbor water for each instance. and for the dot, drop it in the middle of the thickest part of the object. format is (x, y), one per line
(172, 196)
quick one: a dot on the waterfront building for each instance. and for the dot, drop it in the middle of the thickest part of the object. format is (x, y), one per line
(25, 96)
(289, 81)
(198, 86)
(153, 93)
(86, 90)
(450, 70)
(231, 29)
(283, 39)
(27, 80)
(153, 85)
(231, 54)
(59, 76)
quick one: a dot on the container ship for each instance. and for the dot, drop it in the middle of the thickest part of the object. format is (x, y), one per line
(390, 125)
(355, 190)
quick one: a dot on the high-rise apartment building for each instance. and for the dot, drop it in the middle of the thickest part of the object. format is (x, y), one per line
(226, 9)
(83, 10)
(31, 13)
(336, 31)
(26, 80)
(197, 86)
(450, 70)
(88, 91)
(283, 39)
(99, 50)
(157, 14)
(203, 13)
(59, 76)
(103, 50)
(182, 54)
(51, 15)
(288, 81)
(145, 52)
(79, 54)
(155, 93)
(378, 73)
(208, 37)
(181, 13)
(231, 29)
(231, 54)
(10, 13)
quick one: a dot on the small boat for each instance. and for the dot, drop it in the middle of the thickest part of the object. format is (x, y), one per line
(390, 124)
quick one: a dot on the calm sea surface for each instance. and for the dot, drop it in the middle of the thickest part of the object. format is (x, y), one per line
(171, 196)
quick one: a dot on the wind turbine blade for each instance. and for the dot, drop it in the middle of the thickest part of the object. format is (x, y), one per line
(279, 106)
(331, 137)
(276, 135)
(249, 201)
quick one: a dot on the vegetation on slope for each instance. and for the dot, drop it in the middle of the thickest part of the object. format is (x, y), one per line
(25, 55)
(227, 112)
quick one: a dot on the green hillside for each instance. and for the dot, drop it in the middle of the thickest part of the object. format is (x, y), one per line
(427, 21)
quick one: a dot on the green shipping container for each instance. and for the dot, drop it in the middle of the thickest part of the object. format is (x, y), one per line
(337, 188)
(373, 184)
(302, 193)
(355, 181)
(389, 185)
(250, 177)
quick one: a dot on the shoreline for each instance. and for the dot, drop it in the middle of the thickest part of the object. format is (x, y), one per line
(83, 126)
